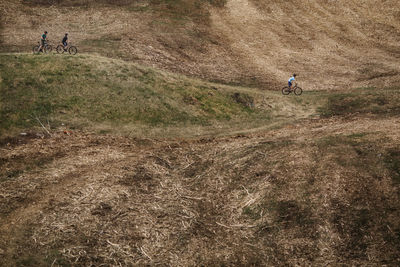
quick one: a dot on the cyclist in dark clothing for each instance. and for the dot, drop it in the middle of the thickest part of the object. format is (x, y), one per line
(64, 41)
(43, 40)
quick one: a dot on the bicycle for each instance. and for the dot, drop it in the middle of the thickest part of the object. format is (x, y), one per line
(296, 89)
(72, 50)
(47, 48)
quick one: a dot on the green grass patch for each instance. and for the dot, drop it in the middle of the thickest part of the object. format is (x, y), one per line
(89, 90)
(379, 102)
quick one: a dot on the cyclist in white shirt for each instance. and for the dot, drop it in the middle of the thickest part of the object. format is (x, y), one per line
(291, 80)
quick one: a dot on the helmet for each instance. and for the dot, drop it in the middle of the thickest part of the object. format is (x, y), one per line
(294, 74)
(66, 33)
(45, 31)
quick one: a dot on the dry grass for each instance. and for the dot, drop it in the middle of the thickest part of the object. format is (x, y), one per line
(324, 42)
(331, 44)
(313, 193)
(298, 190)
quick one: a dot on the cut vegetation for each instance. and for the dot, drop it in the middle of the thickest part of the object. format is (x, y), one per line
(309, 193)
(160, 145)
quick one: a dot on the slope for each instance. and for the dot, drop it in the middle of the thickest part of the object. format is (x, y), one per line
(279, 183)
(331, 44)
(109, 95)
(104, 161)
(316, 192)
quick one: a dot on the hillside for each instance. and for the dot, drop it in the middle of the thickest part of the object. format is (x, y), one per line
(102, 94)
(331, 44)
(107, 180)
(167, 141)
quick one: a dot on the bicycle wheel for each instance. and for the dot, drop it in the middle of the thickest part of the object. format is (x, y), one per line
(48, 48)
(285, 90)
(60, 49)
(35, 49)
(298, 91)
(72, 50)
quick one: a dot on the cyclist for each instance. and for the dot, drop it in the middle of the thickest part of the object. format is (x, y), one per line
(43, 41)
(64, 40)
(291, 80)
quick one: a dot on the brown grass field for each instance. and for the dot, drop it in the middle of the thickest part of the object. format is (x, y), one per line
(336, 44)
(166, 140)
(317, 192)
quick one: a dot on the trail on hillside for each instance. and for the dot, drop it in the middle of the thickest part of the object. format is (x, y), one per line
(326, 43)
(330, 44)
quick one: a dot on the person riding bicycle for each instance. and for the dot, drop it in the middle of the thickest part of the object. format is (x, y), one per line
(64, 40)
(43, 41)
(291, 80)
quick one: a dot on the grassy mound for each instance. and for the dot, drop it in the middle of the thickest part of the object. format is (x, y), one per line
(88, 91)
